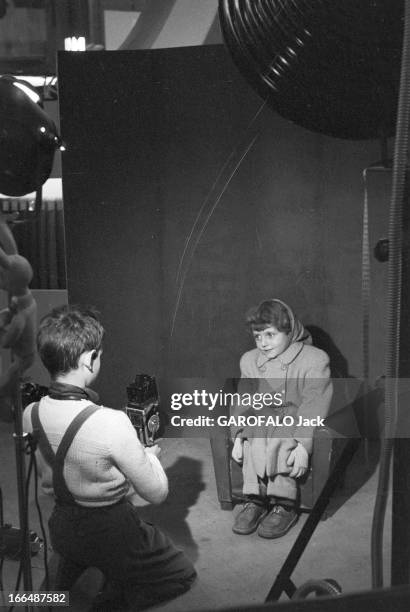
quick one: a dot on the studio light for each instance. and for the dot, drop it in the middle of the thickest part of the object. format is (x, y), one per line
(28, 138)
(74, 43)
(29, 91)
(331, 67)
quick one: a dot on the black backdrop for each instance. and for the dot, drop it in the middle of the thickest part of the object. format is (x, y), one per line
(148, 133)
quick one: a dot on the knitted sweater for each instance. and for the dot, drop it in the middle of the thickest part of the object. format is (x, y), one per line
(105, 457)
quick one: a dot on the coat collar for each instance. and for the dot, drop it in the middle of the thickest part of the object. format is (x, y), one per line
(284, 359)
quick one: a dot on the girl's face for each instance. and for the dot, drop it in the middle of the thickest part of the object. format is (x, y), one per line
(271, 341)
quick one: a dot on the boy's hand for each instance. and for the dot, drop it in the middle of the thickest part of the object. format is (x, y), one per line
(237, 451)
(299, 459)
(153, 450)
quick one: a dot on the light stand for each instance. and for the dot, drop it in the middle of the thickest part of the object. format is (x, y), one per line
(20, 439)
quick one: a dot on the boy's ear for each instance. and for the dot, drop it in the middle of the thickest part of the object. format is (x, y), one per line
(87, 359)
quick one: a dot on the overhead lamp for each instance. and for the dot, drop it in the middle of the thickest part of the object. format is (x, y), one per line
(28, 138)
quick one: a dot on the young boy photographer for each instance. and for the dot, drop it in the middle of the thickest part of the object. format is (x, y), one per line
(90, 458)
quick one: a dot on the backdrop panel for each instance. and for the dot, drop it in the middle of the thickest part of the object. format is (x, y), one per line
(187, 201)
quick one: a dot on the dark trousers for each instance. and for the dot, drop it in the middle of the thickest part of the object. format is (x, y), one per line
(135, 556)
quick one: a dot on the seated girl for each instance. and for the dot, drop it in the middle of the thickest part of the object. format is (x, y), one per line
(275, 457)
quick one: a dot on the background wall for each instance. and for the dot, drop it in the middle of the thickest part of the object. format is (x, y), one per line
(152, 139)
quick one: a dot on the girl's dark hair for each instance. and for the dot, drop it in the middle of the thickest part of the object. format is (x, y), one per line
(64, 334)
(269, 314)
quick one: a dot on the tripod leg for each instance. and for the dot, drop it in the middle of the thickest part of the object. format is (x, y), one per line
(283, 582)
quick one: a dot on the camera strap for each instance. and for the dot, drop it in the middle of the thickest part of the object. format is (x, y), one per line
(56, 460)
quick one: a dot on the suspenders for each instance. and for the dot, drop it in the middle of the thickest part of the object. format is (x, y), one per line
(56, 460)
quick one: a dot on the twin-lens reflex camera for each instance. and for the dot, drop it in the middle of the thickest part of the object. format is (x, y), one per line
(143, 408)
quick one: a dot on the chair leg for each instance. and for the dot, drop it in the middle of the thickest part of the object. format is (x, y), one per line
(220, 447)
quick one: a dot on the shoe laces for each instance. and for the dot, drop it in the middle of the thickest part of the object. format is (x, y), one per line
(251, 506)
(277, 509)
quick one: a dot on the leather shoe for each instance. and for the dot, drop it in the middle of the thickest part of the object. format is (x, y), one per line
(277, 522)
(249, 518)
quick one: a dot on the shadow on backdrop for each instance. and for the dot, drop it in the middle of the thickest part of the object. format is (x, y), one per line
(366, 407)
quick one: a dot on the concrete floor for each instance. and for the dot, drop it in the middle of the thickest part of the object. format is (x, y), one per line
(233, 570)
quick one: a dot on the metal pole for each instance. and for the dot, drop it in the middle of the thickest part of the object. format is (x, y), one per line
(20, 445)
(400, 553)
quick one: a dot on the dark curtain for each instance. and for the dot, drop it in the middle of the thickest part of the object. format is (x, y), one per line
(40, 239)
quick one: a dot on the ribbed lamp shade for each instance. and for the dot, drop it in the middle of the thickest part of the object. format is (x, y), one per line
(331, 66)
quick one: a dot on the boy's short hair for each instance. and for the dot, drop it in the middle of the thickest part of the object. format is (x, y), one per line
(269, 314)
(64, 334)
